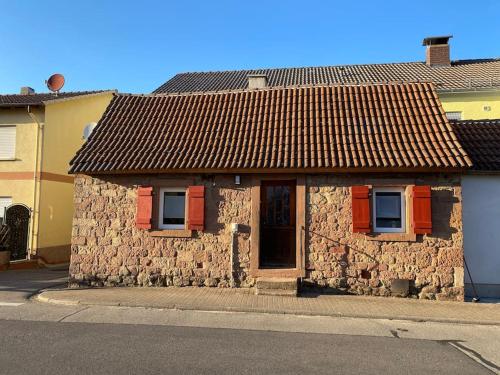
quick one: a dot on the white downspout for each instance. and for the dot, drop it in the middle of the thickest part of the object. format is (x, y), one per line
(36, 179)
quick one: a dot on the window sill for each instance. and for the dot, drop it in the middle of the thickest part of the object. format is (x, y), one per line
(394, 237)
(173, 233)
(8, 159)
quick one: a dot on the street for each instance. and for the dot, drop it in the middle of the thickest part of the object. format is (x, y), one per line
(83, 348)
(42, 338)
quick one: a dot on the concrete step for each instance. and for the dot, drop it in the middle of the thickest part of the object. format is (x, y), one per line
(276, 286)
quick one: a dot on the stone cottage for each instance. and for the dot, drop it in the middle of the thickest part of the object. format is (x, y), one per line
(352, 189)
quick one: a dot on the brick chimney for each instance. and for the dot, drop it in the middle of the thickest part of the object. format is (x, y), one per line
(438, 50)
(257, 81)
(27, 90)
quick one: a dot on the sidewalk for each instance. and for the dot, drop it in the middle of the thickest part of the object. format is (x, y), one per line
(241, 300)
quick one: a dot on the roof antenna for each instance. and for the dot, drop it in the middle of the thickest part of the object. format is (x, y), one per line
(55, 82)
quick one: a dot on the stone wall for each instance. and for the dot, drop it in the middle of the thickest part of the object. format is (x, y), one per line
(107, 249)
(357, 263)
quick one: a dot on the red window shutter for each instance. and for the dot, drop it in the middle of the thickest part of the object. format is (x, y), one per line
(144, 207)
(422, 218)
(361, 209)
(196, 207)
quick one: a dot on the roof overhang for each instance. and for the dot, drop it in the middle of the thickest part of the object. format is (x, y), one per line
(277, 171)
(76, 97)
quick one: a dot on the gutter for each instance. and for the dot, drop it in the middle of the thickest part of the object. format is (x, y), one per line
(469, 90)
(36, 180)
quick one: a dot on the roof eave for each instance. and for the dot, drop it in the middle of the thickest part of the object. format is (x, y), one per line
(277, 171)
(65, 99)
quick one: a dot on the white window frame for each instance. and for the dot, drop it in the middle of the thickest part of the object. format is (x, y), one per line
(161, 206)
(401, 190)
(13, 156)
(454, 114)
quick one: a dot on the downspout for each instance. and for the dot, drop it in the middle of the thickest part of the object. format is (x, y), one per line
(36, 179)
(234, 239)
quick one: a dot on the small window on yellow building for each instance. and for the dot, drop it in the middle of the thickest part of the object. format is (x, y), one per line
(454, 115)
(7, 142)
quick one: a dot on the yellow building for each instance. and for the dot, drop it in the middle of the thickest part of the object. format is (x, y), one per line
(39, 134)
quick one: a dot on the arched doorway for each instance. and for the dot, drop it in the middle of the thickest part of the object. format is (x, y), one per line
(17, 218)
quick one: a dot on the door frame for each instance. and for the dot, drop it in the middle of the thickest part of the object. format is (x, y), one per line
(300, 214)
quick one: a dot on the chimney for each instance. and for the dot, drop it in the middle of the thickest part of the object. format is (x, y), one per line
(257, 81)
(27, 90)
(438, 50)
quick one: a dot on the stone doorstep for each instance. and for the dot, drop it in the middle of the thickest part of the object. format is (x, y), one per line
(276, 286)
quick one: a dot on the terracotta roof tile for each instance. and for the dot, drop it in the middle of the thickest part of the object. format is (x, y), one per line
(38, 98)
(461, 74)
(326, 127)
(481, 140)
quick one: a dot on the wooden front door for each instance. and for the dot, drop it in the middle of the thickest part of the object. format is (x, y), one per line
(277, 224)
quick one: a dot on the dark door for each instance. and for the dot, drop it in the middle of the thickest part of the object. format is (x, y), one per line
(277, 224)
(17, 218)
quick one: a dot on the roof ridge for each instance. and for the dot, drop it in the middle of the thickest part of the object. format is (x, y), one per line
(332, 66)
(274, 88)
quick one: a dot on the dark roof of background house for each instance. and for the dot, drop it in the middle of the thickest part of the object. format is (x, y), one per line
(375, 127)
(462, 74)
(481, 141)
(15, 100)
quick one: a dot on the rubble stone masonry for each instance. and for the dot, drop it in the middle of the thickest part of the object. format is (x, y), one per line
(108, 249)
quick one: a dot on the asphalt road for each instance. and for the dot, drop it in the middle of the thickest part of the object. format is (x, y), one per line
(41, 338)
(17, 286)
(30, 347)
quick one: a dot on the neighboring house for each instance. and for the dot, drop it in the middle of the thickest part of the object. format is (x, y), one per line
(468, 89)
(481, 207)
(39, 134)
(354, 188)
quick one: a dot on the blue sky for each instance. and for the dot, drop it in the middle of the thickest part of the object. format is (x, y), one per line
(134, 46)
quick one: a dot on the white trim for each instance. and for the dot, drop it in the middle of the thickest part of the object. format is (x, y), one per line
(400, 190)
(160, 210)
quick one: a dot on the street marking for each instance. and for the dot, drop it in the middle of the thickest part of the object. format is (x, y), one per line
(11, 303)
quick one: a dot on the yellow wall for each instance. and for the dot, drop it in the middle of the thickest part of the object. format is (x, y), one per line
(25, 138)
(471, 104)
(65, 121)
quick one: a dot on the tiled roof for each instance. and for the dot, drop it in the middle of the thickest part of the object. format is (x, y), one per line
(462, 74)
(395, 126)
(37, 98)
(481, 140)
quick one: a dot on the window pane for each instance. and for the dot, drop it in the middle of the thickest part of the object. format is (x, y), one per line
(388, 209)
(174, 207)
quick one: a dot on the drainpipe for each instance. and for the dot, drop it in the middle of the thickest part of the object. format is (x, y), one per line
(234, 238)
(36, 178)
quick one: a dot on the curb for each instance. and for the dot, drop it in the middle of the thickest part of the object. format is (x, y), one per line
(41, 298)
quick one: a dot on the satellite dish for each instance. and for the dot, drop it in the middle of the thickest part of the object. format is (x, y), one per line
(55, 82)
(88, 129)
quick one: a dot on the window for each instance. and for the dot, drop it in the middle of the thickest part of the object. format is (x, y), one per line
(389, 210)
(7, 142)
(4, 203)
(172, 210)
(454, 115)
